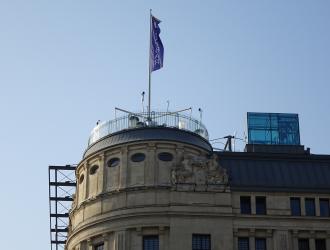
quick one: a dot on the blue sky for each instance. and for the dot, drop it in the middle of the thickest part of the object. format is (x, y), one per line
(66, 64)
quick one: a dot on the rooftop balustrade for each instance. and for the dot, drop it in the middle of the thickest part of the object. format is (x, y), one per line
(140, 120)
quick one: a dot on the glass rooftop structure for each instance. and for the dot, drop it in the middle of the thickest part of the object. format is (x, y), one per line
(142, 120)
(273, 128)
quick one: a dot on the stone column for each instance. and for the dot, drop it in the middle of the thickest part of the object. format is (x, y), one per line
(149, 167)
(100, 181)
(162, 238)
(302, 204)
(328, 240)
(105, 238)
(89, 244)
(312, 240)
(252, 241)
(86, 182)
(269, 240)
(235, 245)
(253, 204)
(121, 241)
(123, 175)
(317, 206)
(295, 239)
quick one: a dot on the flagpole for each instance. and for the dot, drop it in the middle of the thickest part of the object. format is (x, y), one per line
(149, 94)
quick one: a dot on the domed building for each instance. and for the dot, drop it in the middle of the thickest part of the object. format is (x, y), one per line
(156, 183)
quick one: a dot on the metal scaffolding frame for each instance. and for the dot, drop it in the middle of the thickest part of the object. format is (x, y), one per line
(62, 186)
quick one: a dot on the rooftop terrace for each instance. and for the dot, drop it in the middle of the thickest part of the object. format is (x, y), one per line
(140, 120)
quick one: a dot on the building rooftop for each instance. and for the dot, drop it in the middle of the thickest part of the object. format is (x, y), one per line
(277, 172)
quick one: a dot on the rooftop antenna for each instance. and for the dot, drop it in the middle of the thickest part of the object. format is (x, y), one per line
(235, 133)
(142, 100)
(229, 143)
(168, 105)
(200, 114)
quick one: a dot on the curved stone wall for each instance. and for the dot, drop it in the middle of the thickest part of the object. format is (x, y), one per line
(126, 191)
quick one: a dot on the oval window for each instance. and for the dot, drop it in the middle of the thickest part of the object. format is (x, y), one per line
(113, 162)
(165, 156)
(81, 178)
(93, 169)
(138, 157)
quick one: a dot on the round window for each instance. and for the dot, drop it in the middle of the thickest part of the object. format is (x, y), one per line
(81, 178)
(165, 156)
(113, 162)
(93, 169)
(138, 157)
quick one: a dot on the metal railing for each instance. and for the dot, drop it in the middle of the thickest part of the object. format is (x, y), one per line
(139, 120)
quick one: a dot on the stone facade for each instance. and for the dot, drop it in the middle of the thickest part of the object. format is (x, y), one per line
(129, 191)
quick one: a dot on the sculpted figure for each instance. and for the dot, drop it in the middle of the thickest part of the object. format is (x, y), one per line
(216, 174)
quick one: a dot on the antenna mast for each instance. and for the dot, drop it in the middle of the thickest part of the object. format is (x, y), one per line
(149, 94)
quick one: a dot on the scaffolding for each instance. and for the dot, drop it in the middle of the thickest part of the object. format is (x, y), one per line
(62, 186)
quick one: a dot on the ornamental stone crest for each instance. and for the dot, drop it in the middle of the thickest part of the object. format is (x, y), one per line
(199, 173)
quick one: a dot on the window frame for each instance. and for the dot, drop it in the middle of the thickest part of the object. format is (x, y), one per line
(328, 207)
(292, 200)
(307, 211)
(239, 239)
(246, 198)
(202, 238)
(139, 157)
(303, 240)
(151, 237)
(263, 239)
(264, 211)
(324, 243)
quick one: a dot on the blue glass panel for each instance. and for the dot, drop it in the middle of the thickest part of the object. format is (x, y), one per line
(243, 244)
(150, 242)
(310, 206)
(260, 244)
(295, 206)
(324, 208)
(201, 242)
(273, 128)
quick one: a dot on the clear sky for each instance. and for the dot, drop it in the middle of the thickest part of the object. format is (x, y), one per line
(66, 64)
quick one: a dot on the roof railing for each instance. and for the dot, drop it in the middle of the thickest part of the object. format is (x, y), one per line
(140, 120)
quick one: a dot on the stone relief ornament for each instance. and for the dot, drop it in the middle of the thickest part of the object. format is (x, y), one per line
(199, 170)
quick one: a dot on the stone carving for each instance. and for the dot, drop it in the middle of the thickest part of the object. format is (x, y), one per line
(199, 170)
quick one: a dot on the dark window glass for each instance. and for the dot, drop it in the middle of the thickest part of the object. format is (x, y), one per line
(295, 206)
(201, 242)
(245, 205)
(114, 162)
(324, 208)
(260, 205)
(310, 206)
(260, 244)
(320, 244)
(99, 247)
(138, 157)
(303, 244)
(93, 169)
(165, 156)
(150, 242)
(243, 244)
